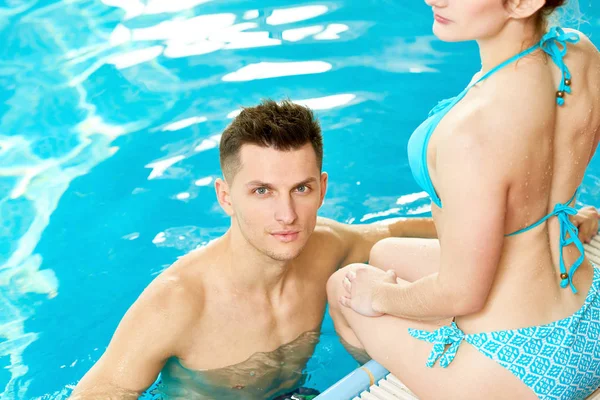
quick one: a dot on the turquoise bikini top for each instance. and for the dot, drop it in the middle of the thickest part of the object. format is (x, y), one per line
(554, 43)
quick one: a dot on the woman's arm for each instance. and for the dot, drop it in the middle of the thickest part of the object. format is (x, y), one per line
(473, 188)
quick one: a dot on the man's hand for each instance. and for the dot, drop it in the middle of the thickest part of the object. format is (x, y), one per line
(586, 222)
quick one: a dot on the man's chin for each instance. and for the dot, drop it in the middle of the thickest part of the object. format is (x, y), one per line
(287, 254)
(284, 256)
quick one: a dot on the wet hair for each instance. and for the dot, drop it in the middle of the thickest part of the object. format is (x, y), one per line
(283, 126)
(546, 11)
(551, 5)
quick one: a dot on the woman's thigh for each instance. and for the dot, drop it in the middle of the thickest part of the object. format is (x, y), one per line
(470, 376)
(410, 258)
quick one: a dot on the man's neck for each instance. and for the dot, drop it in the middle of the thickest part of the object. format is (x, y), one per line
(248, 269)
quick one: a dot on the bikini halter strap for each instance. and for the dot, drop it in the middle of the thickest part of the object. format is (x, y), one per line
(553, 43)
(568, 235)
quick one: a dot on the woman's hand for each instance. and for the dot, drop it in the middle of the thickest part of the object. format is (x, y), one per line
(586, 222)
(360, 285)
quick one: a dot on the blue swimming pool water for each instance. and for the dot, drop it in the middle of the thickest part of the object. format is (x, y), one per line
(110, 115)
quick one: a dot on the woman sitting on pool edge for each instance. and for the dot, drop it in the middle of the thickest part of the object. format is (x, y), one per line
(502, 162)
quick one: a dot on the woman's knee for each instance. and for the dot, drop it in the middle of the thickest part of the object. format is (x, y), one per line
(380, 252)
(336, 310)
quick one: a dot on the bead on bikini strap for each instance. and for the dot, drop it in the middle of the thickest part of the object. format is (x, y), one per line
(550, 44)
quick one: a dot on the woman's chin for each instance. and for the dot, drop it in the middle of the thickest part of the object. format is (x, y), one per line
(445, 33)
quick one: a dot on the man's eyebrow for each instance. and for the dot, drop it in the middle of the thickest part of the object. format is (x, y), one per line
(312, 179)
(259, 183)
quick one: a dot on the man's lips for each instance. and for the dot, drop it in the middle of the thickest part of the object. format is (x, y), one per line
(286, 236)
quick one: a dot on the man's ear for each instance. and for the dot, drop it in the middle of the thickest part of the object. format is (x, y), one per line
(324, 180)
(521, 9)
(224, 196)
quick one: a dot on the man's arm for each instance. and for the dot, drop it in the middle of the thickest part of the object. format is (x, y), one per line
(359, 239)
(410, 227)
(586, 222)
(146, 337)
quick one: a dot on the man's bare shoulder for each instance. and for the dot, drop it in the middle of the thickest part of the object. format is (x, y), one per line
(180, 285)
(157, 326)
(328, 237)
(175, 298)
(328, 224)
(329, 230)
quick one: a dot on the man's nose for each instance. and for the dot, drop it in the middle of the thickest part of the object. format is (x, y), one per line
(285, 212)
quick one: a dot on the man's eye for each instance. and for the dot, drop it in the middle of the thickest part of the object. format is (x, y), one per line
(261, 191)
(303, 189)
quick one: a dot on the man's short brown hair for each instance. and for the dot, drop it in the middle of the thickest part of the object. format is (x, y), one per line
(283, 126)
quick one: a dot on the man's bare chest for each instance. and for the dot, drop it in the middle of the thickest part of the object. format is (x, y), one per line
(230, 332)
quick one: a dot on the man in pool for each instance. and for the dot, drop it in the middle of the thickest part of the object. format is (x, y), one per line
(239, 318)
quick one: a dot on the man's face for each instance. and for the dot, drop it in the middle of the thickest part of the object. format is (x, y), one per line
(274, 198)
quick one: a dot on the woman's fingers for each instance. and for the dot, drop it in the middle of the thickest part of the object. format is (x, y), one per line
(347, 285)
(345, 301)
(351, 275)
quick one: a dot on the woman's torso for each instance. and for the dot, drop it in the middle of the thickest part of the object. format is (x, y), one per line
(547, 166)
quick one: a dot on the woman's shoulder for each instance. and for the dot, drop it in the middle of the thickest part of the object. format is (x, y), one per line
(583, 59)
(583, 38)
(508, 108)
(519, 93)
(585, 46)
